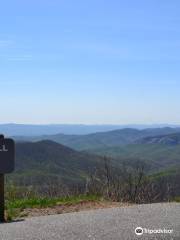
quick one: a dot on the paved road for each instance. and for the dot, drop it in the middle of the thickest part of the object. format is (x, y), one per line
(103, 224)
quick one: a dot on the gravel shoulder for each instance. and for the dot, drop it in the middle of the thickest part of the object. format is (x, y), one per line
(117, 223)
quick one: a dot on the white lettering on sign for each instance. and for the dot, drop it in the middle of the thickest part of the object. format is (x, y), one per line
(3, 148)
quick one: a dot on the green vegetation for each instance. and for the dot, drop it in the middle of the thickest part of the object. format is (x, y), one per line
(167, 173)
(159, 156)
(177, 199)
(49, 202)
(37, 163)
(15, 207)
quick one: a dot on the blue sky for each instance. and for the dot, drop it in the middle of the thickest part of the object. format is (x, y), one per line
(90, 62)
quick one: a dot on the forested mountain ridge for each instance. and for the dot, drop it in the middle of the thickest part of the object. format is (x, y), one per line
(169, 139)
(40, 160)
(102, 139)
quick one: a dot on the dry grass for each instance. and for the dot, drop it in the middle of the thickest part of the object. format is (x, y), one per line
(68, 208)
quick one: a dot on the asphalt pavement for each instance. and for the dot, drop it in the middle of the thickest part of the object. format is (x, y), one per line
(154, 221)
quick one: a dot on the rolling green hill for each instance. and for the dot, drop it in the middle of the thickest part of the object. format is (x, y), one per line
(160, 156)
(40, 161)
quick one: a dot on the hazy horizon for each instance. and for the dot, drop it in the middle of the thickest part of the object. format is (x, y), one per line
(91, 124)
(71, 129)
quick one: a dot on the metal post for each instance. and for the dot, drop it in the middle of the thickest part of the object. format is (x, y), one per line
(2, 217)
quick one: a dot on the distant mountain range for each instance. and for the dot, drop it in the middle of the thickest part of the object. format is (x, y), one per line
(70, 158)
(52, 129)
(104, 139)
(46, 161)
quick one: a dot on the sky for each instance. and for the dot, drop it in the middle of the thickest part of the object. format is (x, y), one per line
(90, 62)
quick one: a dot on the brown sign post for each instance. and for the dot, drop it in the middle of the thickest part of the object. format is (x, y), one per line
(7, 160)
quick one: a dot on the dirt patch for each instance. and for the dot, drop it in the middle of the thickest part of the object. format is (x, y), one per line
(67, 208)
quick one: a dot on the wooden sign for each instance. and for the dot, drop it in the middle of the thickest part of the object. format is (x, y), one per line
(7, 159)
(7, 155)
